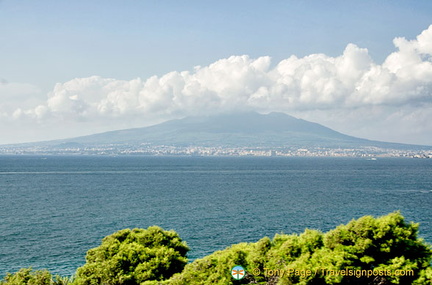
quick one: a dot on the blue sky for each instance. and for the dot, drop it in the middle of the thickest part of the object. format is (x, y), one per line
(44, 43)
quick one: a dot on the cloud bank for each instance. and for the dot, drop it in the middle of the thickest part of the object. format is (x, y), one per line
(351, 93)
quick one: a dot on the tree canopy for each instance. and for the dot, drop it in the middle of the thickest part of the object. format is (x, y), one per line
(134, 256)
(34, 277)
(369, 250)
(384, 250)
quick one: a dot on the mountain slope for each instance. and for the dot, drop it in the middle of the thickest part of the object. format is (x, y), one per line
(233, 130)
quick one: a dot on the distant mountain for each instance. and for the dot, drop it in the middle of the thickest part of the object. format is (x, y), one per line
(230, 130)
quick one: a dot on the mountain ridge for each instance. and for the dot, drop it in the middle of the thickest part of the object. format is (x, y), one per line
(233, 130)
(223, 134)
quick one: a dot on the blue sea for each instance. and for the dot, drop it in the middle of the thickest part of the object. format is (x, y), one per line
(55, 208)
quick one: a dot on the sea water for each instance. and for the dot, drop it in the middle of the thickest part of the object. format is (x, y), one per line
(55, 208)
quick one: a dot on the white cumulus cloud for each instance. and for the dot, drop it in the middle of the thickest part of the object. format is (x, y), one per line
(350, 92)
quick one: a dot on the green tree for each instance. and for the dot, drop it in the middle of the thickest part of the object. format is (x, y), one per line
(215, 268)
(28, 276)
(133, 257)
(345, 255)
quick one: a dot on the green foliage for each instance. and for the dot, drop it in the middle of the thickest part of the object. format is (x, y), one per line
(27, 276)
(383, 244)
(134, 256)
(385, 250)
(425, 277)
(215, 268)
(369, 250)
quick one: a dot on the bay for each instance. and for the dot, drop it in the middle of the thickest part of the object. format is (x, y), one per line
(55, 208)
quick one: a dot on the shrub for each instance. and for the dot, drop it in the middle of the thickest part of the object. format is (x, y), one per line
(349, 254)
(28, 276)
(134, 256)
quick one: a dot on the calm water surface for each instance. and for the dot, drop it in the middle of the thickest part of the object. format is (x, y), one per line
(53, 209)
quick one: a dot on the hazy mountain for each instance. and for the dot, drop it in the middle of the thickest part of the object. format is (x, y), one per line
(233, 130)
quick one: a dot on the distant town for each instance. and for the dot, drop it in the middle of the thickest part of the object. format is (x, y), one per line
(244, 134)
(166, 150)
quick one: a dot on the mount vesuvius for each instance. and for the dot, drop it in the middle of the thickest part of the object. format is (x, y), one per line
(230, 130)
